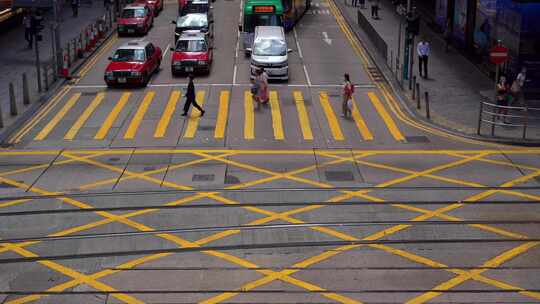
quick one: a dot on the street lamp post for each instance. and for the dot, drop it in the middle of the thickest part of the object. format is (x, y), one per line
(56, 25)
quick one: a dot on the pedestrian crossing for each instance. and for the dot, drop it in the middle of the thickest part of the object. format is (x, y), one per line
(126, 112)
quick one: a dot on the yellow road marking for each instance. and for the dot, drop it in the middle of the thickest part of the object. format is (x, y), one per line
(84, 117)
(167, 114)
(223, 111)
(330, 116)
(249, 117)
(277, 124)
(139, 115)
(360, 122)
(56, 119)
(193, 121)
(112, 116)
(13, 202)
(390, 124)
(303, 117)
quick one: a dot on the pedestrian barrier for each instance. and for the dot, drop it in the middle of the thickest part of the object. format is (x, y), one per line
(506, 116)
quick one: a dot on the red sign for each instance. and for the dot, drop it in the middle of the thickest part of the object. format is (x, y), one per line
(263, 9)
(498, 54)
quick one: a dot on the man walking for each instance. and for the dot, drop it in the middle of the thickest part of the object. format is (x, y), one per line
(375, 9)
(75, 7)
(190, 97)
(28, 29)
(423, 54)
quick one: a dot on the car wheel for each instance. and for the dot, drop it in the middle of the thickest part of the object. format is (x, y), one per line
(146, 79)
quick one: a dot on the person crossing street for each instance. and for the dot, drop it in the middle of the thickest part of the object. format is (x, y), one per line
(190, 97)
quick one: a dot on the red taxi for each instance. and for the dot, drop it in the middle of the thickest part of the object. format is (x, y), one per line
(155, 5)
(133, 63)
(193, 53)
(135, 18)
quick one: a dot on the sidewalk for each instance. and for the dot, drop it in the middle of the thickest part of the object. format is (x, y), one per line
(455, 85)
(16, 59)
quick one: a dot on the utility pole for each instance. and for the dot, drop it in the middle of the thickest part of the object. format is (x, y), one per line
(56, 26)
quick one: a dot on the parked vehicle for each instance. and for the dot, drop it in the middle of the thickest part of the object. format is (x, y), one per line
(155, 5)
(197, 6)
(135, 18)
(133, 63)
(193, 53)
(269, 51)
(190, 22)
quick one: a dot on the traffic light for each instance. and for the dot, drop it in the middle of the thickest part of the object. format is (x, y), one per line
(413, 24)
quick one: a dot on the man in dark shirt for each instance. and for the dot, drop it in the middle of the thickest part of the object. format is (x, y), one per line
(190, 97)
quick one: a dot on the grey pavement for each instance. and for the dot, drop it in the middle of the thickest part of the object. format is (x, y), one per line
(17, 59)
(455, 85)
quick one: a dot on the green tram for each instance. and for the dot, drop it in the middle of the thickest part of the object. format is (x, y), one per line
(270, 12)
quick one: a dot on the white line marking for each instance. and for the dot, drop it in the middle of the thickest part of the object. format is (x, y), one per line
(361, 86)
(297, 43)
(167, 49)
(234, 75)
(326, 39)
(307, 76)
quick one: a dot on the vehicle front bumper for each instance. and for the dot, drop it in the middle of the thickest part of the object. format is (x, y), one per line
(130, 29)
(120, 80)
(190, 68)
(274, 73)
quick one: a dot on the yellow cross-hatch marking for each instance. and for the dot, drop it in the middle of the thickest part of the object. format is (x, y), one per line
(360, 122)
(70, 135)
(139, 115)
(249, 117)
(56, 119)
(223, 112)
(277, 124)
(390, 124)
(303, 117)
(193, 121)
(167, 114)
(102, 132)
(330, 116)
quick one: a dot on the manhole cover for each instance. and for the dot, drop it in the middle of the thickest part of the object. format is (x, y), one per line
(88, 93)
(417, 139)
(231, 179)
(202, 177)
(339, 176)
(206, 128)
(149, 168)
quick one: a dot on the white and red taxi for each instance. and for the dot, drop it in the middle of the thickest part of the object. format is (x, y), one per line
(136, 18)
(193, 53)
(133, 63)
(155, 5)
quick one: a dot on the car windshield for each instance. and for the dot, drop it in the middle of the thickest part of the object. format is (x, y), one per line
(129, 55)
(252, 21)
(133, 13)
(196, 8)
(269, 47)
(192, 20)
(191, 46)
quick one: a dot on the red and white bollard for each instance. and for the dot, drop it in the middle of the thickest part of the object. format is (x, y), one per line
(65, 66)
(80, 49)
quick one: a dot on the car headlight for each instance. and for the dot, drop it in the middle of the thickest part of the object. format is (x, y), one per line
(135, 73)
(177, 63)
(108, 74)
(202, 62)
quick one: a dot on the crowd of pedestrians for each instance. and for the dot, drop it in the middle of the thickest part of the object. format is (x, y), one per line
(509, 94)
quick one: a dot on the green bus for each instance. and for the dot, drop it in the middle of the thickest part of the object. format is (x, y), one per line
(270, 12)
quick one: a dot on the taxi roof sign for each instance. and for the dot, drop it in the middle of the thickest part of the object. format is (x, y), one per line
(263, 8)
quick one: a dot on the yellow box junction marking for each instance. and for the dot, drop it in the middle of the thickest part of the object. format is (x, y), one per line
(102, 132)
(330, 116)
(360, 122)
(56, 119)
(139, 115)
(390, 124)
(70, 135)
(249, 116)
(277, 124)
(167, 114)
(303, 117)
(193, 121)
(221, 124)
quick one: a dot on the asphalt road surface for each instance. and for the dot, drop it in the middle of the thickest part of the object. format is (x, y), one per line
(110, 196)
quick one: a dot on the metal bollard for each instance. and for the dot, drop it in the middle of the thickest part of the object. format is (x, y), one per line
(12, 101)
(26, 92)
(417, 88)
(480, 115)
(46, 77)
(1, 118)
(414, 88)
(427, 105)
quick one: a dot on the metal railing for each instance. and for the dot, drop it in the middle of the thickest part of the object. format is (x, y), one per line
(506, 116)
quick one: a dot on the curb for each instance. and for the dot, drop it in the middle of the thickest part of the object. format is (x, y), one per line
(42, 100)
(380, 64)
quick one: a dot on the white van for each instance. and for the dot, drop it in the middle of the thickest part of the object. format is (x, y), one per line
(269, 51)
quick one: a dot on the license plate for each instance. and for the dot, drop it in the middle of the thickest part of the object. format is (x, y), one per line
(122, 80)
(189, 69)
(131, 31)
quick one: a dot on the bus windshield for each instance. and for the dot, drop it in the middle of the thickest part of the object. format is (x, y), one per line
(251, 21)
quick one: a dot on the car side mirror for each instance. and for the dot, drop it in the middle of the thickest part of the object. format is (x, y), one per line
(211, 21)
(109, 58)
(240, 27)
(211, 7)
(248, 50)
(172, 49)
(173, 22)
(289, 50)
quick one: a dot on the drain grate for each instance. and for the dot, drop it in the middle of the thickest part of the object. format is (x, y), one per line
(207, 128)
(114, 159)
(417, 139)
(231, 179)
(88, 93)
(149, 168)
(339, 176)
(202, 177)
(375, 74)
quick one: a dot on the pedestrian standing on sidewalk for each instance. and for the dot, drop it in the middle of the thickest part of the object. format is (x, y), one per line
(375, 9)
(423, 51)
(346, 102)
(190, 97)
(447, 34)
(502, 99)
(75, 7)
(28, 29)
